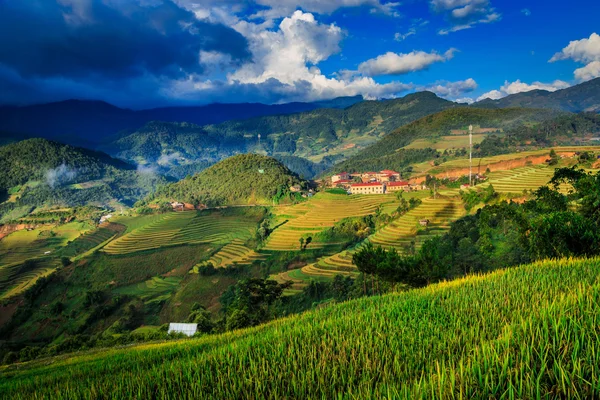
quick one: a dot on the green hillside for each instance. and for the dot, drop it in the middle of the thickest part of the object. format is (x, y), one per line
(239, 180)
(387, 153)
(322, 134)
(39, 173)
(526, 332)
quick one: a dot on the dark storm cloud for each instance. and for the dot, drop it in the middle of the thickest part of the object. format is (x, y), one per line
(94, 40)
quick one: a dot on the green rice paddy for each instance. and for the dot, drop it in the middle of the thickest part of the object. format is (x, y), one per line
(525, 332)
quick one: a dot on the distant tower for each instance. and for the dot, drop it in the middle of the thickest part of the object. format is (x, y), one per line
(259, 140)
(470, 154)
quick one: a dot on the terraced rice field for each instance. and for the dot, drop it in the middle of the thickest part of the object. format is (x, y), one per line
(399, 234)
(92, 239)
(14, 278)
(520, 179)
(189, 227)
(234, 253)
(317, 214)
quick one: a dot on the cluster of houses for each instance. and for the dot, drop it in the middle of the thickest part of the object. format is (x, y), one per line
(386, 181)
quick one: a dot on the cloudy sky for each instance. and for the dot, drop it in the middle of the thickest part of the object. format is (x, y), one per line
(144, 53)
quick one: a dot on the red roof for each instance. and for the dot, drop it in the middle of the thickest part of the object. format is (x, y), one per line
(370, 173)
(400, 183)
(367, 184)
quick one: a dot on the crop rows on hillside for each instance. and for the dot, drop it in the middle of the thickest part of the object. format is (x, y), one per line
(321, 212)
(234, 253)
(189, 227)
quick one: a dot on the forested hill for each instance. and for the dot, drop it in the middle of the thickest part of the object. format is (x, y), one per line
(325, 135)
(331, 132)
(31, 160)
(239, 180)
(38, 173)
(386, 153)
(578, 98)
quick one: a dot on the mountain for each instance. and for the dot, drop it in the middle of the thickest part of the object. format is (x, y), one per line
(244, 179)
(39, 172)
(578, 98)
(388, 153)
(321, 136)
(91, 122)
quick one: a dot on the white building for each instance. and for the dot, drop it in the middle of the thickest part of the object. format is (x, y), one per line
(186, 329)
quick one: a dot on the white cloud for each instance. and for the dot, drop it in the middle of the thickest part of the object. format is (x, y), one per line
(284, 66)
(465, 14)
(398, 37)
(519, 87)
(398, 64)
(452, 90)
(416, 25)
(467, 100)
(590, 71)
(526, 12)
(585, 51)
(281, 8)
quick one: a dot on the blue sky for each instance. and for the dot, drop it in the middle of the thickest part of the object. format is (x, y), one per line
(144, 53)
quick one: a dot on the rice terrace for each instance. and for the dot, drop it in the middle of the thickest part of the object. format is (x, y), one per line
(261, 199)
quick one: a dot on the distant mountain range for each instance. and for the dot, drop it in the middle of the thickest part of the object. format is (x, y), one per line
(326, 134)
(85, 122)
(578, 98)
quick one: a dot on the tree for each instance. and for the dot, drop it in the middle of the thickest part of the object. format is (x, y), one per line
(307, 242)
(553, 158)
(65, 261)
(301, 240)
(249, 302)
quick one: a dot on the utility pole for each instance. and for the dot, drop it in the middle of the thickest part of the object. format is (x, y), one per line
(259, 140)
(470, 155)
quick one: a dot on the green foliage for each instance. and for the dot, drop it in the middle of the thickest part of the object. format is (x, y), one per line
(236, 180)
(249, 302)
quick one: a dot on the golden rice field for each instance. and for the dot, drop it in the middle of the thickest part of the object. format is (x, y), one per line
(398, 235)
(188, 227)
(521, 333)
(520, 179)
(320, 212)
(233, 253)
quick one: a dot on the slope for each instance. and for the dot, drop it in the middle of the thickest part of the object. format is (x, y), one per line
(388, 153)
(479, 337)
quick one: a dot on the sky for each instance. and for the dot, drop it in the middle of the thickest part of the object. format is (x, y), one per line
(148, 53)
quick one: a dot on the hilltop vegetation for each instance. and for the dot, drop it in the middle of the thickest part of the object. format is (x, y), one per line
(39, 173)
(242, 179)
(478, 336)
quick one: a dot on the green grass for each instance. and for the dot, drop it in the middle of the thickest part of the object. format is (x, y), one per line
(526, 332)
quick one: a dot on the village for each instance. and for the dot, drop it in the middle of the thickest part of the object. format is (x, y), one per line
(382, 182)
